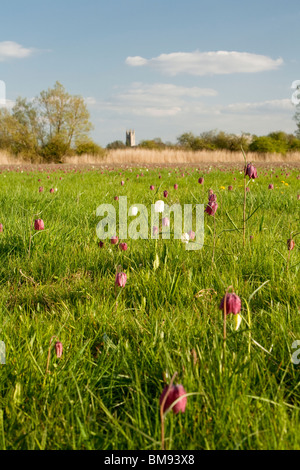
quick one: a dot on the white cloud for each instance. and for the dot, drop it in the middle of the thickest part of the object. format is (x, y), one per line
(90, 100)
(283, 105)
(154, 100)
(207, 63)
(136, 61)
(13, 50)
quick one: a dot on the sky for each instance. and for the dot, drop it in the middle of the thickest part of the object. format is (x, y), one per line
(160, 67)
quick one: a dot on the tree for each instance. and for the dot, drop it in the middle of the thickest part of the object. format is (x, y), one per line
(116, 144)
(154, 144)
(20, 130)
(89, 147)
(263, 144)
(52, 125)
(65, 119)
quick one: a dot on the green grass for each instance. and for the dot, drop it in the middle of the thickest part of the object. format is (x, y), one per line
(104, 391)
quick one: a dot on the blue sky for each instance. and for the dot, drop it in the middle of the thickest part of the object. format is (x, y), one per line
(160, 67)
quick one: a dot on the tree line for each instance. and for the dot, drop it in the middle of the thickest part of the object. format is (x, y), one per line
(275, 142)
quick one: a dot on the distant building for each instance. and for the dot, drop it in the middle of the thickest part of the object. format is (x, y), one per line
(130, 138)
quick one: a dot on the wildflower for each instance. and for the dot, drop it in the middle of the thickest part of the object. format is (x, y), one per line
(212, 197)
(166, 222)
(185, 238)
(290, 244)
(159, 206)
(116, 198)
(211, 208)
(101, 244)
(191, 235)
(122, 183)
(41, 189)
(230, 188)
(58, 348)
(201, 180)
(166, 193)
(114, 240)
(152, 187)
(52, 190)
(123, 246)
(175, 392)
(251, 171)
(39, 224)
(175, 186)
(133, 210)
(155, 230)
(233, 303)
(271, 186)
(121, 279)
(1, 228)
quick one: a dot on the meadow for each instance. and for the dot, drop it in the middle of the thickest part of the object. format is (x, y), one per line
(122, 345)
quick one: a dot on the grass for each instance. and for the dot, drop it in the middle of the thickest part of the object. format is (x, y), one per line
(118, 354)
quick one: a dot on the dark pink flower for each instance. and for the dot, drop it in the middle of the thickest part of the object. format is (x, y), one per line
(1, 228)
(123, 246)
(251, 171)
(176, 391)
(121, 279)
(116, 198)
(41, 189)
(39, 224)
(52, 190)
(211, 208)
(58, 348)
(271, 186)
(290, 244)
(152, 187)
(101, 244)
(114, 240)
(233, 303)
(230, 188)
(175, 186)
(212, 197)
(201, 180)
(122, 183)
(166, 193)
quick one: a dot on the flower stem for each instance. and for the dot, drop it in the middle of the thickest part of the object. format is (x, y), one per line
(244, 212)
(162, 417)
(214, 245)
